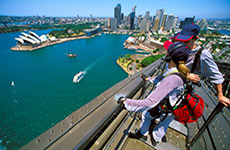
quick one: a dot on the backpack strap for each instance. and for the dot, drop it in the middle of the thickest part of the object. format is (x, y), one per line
(197, 59)
(188, 89)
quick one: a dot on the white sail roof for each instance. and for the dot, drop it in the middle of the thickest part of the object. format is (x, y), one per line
(35, 35)
(31, 37)
(43, 38)
(27, 39)
(19, 40)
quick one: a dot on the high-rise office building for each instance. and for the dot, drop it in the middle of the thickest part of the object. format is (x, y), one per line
(143, 25)
(202, 24)
(117, 13)
(175, 21)
(91, 18)
(113, 23)
(122, 17)
(158, 19)
(132, 18)
(147, 15)
(156, 24)
(186, 21)
(169, 23)
(153, 21)
(164, 21)
(108, 23)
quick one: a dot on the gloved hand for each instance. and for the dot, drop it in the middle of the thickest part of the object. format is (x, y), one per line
(119, 99)
(143, 76)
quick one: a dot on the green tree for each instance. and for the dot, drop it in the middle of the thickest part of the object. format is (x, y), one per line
(163, 39)
(127, 56)
(150, 59)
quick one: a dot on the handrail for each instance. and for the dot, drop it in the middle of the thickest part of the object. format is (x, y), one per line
(215, 112)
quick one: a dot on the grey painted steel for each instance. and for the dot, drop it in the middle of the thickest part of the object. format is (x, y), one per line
(218, 125)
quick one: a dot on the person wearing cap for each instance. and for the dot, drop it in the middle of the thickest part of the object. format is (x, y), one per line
(170, 87)
(207, 66)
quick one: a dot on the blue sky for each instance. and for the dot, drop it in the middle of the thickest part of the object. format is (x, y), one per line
(105, 8)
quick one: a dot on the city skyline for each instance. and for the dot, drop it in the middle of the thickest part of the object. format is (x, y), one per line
(103, 8)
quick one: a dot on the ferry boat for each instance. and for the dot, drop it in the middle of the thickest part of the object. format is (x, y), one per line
(71, 55)
(78, 77)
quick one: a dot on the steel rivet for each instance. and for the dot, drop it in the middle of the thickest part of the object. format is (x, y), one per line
(37, 141)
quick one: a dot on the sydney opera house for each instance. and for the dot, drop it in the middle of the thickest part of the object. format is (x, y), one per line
(31, 40)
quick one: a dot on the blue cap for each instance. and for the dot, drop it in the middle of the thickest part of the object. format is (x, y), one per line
(187, 33)
(179, 52)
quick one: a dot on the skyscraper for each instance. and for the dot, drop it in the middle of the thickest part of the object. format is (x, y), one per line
(202, 24)
(122, 17)
(175, 21)
(143, 25)
(132, 17)
(113, 23)
(158, 19)
(147, 15)
(169, 23)
(91, 18)
(117, 13)
(164, 21)
(108, 23)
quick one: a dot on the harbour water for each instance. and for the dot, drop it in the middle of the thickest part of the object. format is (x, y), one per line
(44, 93)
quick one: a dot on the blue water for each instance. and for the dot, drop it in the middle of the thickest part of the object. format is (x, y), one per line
(227, 32)
(44, 93)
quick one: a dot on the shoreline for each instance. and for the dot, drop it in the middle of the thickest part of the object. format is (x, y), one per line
(123, 67)
(48, 43)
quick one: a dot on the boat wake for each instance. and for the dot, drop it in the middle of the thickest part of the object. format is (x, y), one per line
(92, 64)
(81, 74)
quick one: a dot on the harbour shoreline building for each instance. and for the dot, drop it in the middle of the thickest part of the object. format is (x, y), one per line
(90, 32)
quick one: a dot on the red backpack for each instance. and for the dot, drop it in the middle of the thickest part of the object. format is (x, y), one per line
(191, 110)
(192, 106)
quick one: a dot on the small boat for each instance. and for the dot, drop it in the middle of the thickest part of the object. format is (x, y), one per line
(71, 55)
(12, 83)
(78, 77)
(132, 48)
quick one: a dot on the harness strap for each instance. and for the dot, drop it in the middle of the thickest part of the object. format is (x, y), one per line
(196, 60)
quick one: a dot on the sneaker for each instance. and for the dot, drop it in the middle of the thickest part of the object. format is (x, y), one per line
(154, 143)
(164, 139)
(137, 135)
